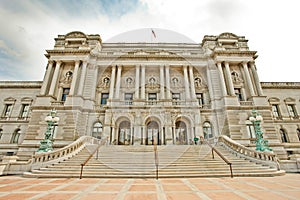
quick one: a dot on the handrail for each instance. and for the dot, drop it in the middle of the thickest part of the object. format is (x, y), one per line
(156, 159)
(90, 156)
(220, 155)
(266, 157)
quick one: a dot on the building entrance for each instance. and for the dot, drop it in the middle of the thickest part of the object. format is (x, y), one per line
(153, 134)
(124, 134)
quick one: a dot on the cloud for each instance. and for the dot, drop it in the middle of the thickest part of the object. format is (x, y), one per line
(7, 50)
(31, 26)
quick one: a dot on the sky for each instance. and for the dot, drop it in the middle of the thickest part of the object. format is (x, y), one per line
(28, 28)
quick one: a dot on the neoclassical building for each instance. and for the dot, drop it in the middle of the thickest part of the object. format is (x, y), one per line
(130, 93)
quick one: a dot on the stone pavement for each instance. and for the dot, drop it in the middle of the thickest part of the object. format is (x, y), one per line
(274, 188)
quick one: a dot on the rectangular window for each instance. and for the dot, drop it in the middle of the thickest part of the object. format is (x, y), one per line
(24, 111)
(152, 98)
(66, 92)
(200, 98)
(7, 110)
(176, 98)
(104, 97)
(251, 131)
(128, 98)
(238, 93)
(275, 110)
(292, 110)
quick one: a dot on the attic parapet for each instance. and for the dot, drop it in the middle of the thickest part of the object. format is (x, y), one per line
(225, 41)
(77, 40)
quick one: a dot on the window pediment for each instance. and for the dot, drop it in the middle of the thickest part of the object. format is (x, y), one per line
(10, 100)
(26, 100)
(290, 100)
(274, 100)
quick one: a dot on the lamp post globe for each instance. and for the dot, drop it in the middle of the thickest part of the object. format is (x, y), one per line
(261, 144)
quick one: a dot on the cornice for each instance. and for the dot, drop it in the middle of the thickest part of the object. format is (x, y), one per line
(151, 57)
(21, 84)
(233, 52)
(281, 85)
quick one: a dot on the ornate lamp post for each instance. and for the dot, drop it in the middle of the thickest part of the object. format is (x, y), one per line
(261, 144)
(46, 144)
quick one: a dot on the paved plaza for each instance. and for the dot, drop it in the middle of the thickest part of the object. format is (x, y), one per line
(274, 188)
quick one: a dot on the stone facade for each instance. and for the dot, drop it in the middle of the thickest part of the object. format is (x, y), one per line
(138, 93)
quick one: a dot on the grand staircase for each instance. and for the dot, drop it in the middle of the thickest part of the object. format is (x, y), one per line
(113, 161)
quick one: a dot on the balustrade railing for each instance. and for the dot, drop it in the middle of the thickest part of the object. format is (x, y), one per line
(153, 103)
(42, 159)
(258, 156)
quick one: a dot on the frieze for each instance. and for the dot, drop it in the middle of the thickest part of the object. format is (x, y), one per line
(294, 85)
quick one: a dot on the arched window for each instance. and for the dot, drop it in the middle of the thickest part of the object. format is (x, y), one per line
(283, 135)
(97, 130)
(15, 136)
(1, 132)
(207, 130)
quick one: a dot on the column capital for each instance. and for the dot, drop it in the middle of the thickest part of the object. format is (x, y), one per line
(58, 62)
(77, 62)
(245, 62)
(226, 63)
(50, 61)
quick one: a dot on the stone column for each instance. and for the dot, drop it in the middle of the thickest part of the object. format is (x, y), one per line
(55, 77)
(228, 76)
(186, 83)
(112, 82)
(47, 76)
(248, 79)
(95, 78)
(192, 81)
(168, 91)
(256, 79)
(143, 95)
(137, 81)
(223, 85)
(118, 82)
(162, 84)
(82, 78)
(74, 79)
(174, 134)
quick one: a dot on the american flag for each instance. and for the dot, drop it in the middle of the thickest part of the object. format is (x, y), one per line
(153, 33)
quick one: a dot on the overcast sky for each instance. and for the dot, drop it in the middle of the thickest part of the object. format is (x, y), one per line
(29, 27)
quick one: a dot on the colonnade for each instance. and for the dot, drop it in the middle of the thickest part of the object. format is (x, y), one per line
(227, 86)
(52, 74)
(140, 82)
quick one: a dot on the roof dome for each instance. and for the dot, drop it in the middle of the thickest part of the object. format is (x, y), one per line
(150, 35)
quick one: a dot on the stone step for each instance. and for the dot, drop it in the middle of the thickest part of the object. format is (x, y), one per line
(138, 161)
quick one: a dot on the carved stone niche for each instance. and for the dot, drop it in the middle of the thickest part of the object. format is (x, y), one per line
(66, 78)
(104, 82)
(152, 84)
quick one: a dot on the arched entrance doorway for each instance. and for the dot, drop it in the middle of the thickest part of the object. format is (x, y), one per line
(153, 134)
(181, 133)
(124, 133)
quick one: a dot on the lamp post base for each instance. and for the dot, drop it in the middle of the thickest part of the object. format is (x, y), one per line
(45, 146)
(262, 145)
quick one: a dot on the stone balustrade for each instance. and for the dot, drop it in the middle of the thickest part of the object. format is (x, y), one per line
(42, 159)
(265, 157)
